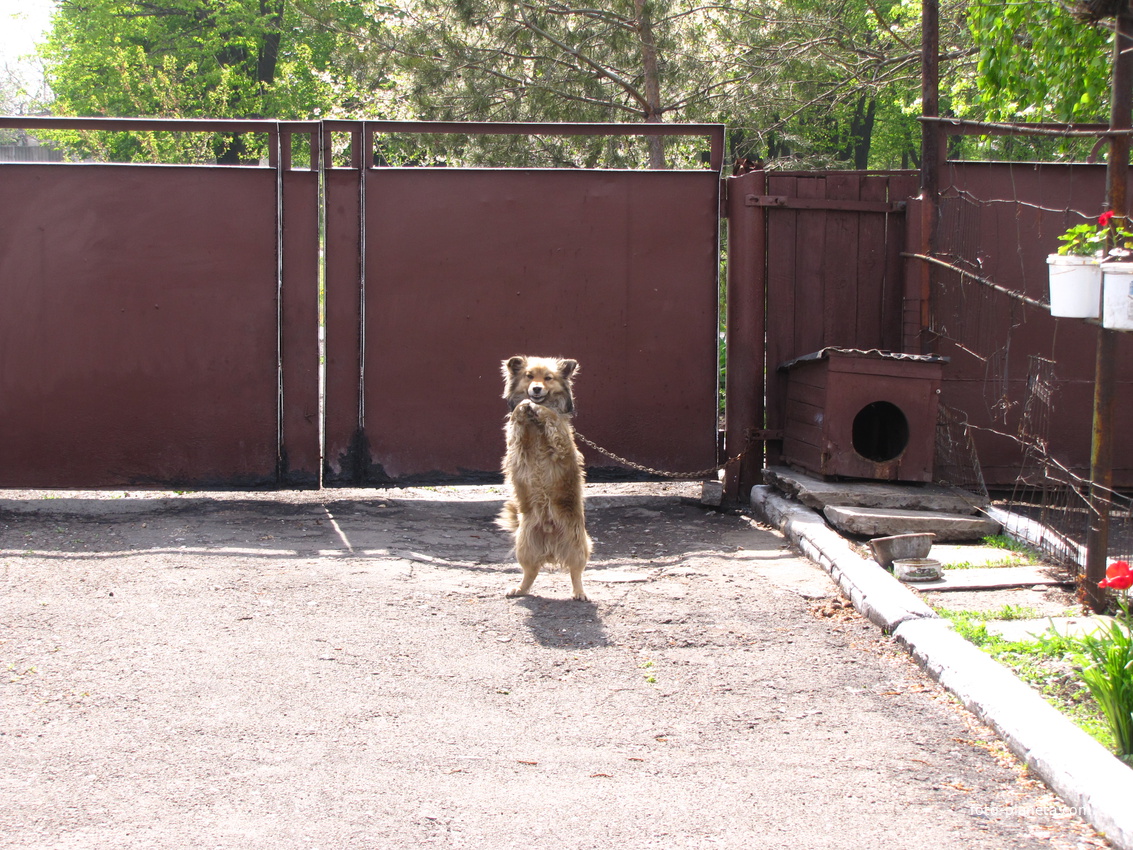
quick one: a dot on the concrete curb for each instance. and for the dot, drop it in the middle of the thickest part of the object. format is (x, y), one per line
(875, 594)
(1075, 766)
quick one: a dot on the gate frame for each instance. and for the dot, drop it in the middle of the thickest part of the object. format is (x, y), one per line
(297, 428)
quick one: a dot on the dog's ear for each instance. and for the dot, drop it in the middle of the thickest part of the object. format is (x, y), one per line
(568, 368)
(513, 368)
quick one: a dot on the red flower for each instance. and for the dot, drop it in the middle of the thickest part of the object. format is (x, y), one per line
(1119, 576)
(1104, 218)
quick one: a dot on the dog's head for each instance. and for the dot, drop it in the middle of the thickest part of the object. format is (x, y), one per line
(543, 380)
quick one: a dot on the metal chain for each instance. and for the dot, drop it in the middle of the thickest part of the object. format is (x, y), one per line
(704, 473)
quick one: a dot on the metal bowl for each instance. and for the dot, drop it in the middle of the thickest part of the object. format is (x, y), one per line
(917, 569)
(886, 550)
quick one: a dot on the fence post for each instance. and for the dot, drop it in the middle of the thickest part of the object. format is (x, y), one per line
(932, 160)
(745, 330)
(1105, 377)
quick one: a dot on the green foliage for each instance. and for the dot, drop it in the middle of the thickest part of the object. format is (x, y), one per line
(185, 59)
(803, 83)
(1037, 62)
(1049, 663)
(1108, 673)
(1082, 240)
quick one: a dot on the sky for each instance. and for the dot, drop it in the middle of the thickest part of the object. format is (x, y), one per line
(22, 24)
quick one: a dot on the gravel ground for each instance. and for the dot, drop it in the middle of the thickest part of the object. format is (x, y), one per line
(340, 669)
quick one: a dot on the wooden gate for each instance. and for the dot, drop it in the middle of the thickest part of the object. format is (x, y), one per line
(814, 261)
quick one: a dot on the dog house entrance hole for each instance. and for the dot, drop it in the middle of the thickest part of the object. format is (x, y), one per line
(880, 432)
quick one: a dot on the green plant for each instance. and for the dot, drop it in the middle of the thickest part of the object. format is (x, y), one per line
(1107, 238)
(649, 677)
(1120, 239)
(1082, 240)
(1108, 672)
(1004, 541)
(1016, 612)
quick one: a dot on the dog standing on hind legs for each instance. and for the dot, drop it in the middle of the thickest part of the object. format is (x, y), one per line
(544, 470)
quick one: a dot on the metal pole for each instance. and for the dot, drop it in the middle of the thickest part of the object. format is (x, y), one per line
(746, 331)
(1101, 448)
(930, 149)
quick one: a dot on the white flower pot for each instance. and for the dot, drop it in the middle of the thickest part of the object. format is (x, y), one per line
(1075, 286)
(1117, 296)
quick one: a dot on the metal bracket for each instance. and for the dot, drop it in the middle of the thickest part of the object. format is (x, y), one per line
(784, 202)
(764, 434)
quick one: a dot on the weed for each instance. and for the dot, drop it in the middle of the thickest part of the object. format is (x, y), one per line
(649, 677)
(1050, 663)
(1015, 612)
(1016, 547)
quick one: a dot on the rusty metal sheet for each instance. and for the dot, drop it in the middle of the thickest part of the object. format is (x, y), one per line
(464, 268)
(138, 332)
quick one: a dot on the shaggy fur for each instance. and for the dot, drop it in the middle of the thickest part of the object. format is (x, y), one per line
(544, 470)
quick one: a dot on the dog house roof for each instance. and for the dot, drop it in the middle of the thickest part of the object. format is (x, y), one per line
(871, 353)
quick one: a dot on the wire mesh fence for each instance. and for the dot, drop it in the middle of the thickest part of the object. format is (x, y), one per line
(988, 307)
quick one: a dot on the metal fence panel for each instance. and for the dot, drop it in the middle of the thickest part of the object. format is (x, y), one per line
(138, 326)
(464, 268)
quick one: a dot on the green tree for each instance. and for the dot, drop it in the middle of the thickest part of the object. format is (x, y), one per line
(802, 81)
(185, 59)
(501, 60)
(1038, 62)
(839, 82)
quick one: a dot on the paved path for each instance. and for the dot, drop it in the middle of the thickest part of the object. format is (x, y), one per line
(341, 670)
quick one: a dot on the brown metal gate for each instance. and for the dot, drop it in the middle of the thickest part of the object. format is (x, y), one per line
(159, 324)
(462, 268)
(140, 332)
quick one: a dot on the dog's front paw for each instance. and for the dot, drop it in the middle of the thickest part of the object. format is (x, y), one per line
(581, 596)
(533, 411)
(514, 592)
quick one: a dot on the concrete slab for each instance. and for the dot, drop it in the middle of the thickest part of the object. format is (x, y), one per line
(874, 592)
(1066, 626)
(1044, 600)
(816, 493)
(881, 522)
(993, 578)
(976, 555)
(807, 580)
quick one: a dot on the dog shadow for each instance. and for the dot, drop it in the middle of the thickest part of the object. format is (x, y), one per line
(564, 623)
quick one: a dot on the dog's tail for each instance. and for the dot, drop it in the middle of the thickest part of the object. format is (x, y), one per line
(508, 519)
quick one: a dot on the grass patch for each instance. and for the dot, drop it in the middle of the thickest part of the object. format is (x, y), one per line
(1049, 663)
(1015, 554)
(1016, 548)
